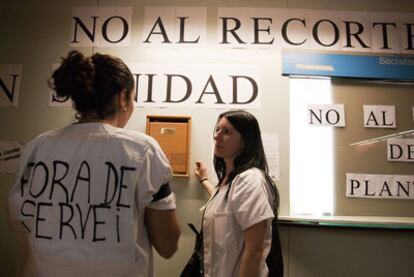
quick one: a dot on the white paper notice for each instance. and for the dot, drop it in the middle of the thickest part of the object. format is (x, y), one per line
(379, 186)
(327, 115)
(379, 116)
(400, 150)
(9, 156)
(165, 26)
(271, 148)
(192, 85)
(100, 26)
(10, 75)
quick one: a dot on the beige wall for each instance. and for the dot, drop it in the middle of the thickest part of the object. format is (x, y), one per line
(35, 34)
(311, 251)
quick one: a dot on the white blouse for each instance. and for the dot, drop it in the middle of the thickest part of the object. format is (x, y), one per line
(247, 203)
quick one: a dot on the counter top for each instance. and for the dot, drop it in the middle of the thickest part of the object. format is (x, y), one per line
(374, 222)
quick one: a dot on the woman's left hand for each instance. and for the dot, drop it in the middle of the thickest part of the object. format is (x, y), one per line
(201, 170)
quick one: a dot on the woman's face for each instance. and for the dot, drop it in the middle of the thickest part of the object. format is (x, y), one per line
(228, 141)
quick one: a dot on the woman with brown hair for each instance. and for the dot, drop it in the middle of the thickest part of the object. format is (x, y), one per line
(92, 198)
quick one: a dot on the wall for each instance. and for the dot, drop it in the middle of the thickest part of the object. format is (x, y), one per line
(35, 34)
(342, 252)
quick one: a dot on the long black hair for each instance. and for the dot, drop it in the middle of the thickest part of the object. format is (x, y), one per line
(252, 154)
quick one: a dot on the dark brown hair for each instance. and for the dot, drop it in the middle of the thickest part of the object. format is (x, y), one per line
(92, 82)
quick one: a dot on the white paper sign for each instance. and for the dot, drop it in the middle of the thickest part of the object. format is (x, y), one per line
(350, 31)
(400, 150)
(171, 25)
(9, 156)
(380, 186)
(326, 115)
(100, 26)
(10, 77)
(218, 86)
(271, 148)
(379, 116)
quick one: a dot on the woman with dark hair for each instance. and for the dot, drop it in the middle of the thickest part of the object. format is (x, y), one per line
(240, 237)
(92, 198)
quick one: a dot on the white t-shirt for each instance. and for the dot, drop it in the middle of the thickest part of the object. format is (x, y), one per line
(80, 196)
(248, 203)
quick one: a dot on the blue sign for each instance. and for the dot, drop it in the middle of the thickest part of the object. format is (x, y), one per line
(383, 67)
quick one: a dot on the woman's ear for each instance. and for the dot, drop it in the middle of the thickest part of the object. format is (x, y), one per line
(122, 101)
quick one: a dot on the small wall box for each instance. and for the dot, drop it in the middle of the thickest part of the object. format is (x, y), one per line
(173, 135)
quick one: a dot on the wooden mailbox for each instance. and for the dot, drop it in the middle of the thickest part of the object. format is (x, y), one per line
(173, 135)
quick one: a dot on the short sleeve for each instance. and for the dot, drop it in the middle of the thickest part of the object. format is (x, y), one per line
(166, 203)
(155, 175)
(249, 200)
